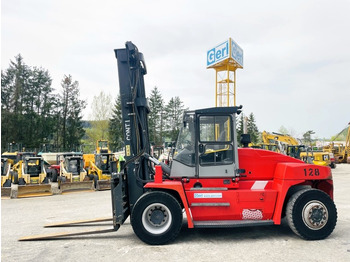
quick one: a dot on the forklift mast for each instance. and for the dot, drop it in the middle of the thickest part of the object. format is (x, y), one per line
(128, 187)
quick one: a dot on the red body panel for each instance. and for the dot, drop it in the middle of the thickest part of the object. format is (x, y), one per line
(57, 167)
(177, 187)
(259, 195)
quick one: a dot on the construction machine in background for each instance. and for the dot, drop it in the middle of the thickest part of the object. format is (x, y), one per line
(101, 170)
(341, 151)
(10, 156)
(87, 159)
(272, 137)
(31, 177)
(266, 146)
(5, 177)
(211, 180)
(290, 146)
(53, 160)
(72, 175)
(102, 147)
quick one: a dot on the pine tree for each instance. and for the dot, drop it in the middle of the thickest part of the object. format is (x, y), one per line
(252, 129)
(239, 127)
(13, 85)
(71, 114)
(174, 111)
(156, 116)
(26, 102)
(115, 128)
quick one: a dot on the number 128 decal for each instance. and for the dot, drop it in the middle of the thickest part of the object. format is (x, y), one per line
(311, 172)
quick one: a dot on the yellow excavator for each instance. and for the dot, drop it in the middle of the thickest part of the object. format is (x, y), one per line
(282, 141)
(341, 152)
(270, 147)
(31, 177)
(288, 145)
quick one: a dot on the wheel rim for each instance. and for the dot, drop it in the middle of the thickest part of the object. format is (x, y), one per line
(156, 218)
(315, 215)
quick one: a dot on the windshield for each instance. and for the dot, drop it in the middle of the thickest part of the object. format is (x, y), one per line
(102, 144)
(184, 150)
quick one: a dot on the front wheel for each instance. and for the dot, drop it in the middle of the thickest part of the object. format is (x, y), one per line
(14, 177)
(156, 218)
(311, 214)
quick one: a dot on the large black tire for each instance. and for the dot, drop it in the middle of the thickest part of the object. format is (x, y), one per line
(14, 177)
(54, 175)
(21, 181)
(311, 214)
(156, 218)
(95, 180)
(7, 183)
(94, 177)
(61, 179)
(45, 181)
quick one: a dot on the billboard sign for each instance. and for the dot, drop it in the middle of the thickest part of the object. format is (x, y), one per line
(223, 51)
(236, 53)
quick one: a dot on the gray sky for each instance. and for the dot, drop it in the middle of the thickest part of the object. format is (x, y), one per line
(296, 53)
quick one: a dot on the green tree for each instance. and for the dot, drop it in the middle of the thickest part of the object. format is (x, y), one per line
(101, 113)
(240, 127)
(252, 129)
(71, 114)
(282, 130)
(26, 104)
(115, 129)
(14, 81)
(39, 107)
(173, 117)
(307, 137)
(101, 109)
(341, 136)
(156, 116)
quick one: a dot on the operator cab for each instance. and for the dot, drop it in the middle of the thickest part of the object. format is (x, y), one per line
(106, 162)
(33, 166)
(207, 144)
(74, 164)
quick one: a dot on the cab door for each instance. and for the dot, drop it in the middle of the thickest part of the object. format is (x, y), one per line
(215, 146)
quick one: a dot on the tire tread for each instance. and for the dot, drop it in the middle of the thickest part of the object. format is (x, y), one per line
(289, 213)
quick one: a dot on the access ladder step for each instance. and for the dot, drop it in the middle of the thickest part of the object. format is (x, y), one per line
(231, 223)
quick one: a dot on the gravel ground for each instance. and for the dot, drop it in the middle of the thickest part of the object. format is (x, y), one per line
(23, 217)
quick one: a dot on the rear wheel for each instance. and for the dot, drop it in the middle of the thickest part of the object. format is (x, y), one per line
(311, 214)
(157, 218)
